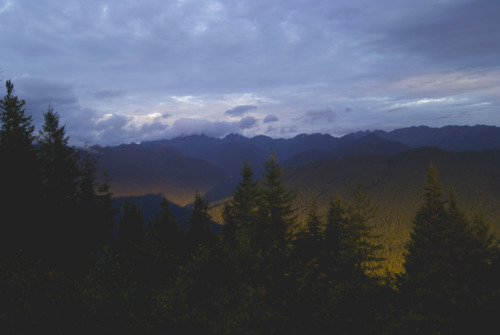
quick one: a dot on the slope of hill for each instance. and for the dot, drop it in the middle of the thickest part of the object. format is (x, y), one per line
(456, 138)
(394, 184)
(366, 145)
(136, 170)
(149, 205)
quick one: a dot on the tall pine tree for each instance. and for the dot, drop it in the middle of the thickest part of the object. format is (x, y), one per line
(19, 174)
(58, 160)
(277, 215)
(199, 220)
(447, 266)
(165, 227)
(60, 173)
(241, 213)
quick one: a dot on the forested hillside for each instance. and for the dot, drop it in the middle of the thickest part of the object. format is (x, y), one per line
(301, 250)
(393, 183)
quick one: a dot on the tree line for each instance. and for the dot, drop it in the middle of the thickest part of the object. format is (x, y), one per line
(68, 267)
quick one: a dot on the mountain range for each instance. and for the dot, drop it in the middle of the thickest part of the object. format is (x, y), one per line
(390, 166)
(181, 166)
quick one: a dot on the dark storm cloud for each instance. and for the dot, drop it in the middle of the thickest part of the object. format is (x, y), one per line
(40, 93)
(270, 118)
(324, 115)
(240, 110)
(108, 94)
(114, 122)
(248, 122)
(458, 33)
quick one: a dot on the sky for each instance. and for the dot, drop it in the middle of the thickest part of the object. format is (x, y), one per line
(123, 71)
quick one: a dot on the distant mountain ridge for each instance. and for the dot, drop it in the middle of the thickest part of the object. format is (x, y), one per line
(181, 166)
(137, 170)
(454, 138)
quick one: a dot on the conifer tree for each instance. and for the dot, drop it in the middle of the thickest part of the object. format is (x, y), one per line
(105, 214)
(16, 132)
(88, 181)
(58, 160)
(19, 173)
(366, 246)
(165, 227)
(240, 214)
(277, 213)
(60, 173)
(428, 230)
(314, 224)
(199, 219)
(130, 225)
(95, 213)
(350, 241)
(447, 265)
(339, 246)
(309, 243)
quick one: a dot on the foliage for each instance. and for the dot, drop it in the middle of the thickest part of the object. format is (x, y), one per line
(448, 265)
(199, 230)
(19, 174)
(241, 213)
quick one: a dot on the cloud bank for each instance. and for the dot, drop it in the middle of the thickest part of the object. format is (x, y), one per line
(113, 70)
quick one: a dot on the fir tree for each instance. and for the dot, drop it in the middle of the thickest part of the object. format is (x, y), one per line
(95, 215)
(350, 241)
(339, 246)
(165, 227)
(58, 160)
(19, 174)
(105, 214)
(60, 173)
(130, 225)
(241, 213)
(16, 132)
(88, 181)
(366, 245)
(314, 224)
(447, 266)
(199, 219)
(276, 212)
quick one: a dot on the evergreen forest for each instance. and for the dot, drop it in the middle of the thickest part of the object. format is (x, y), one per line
(70, 265)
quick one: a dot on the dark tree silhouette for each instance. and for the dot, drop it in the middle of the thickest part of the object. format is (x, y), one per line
(19, 174)
(277, 215)
(199, 220)
(130, 225)
(241, 213)
(166, 228)
(60, 174)
(447, 266)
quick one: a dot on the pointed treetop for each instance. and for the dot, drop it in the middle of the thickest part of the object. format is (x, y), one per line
(432, 184)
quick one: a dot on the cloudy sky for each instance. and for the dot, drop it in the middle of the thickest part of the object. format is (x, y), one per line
(122, 71)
